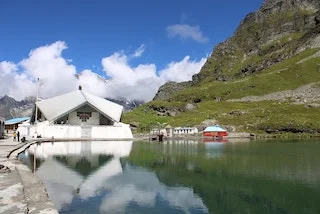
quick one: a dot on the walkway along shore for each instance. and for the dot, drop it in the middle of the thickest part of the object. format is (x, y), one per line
(21, 191)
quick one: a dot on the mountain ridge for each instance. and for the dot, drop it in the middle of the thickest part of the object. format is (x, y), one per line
(216, 69)
(264, 78)
(10, 108)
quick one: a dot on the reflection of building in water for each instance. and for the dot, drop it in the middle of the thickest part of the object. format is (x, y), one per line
(214, 149)
(188, 148)
(76, 115)
(123, 183)
(185, 147)
(181, 141)
(115, 148)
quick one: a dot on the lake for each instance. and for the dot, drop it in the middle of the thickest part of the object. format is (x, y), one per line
(273, 176)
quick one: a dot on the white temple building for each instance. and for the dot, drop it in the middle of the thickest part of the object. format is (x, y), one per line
(76, 115)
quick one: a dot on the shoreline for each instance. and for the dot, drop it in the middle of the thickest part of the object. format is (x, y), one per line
(21, 189)
(23, 192)
(231, 136)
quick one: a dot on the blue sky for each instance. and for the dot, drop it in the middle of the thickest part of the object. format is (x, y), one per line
(93, 30)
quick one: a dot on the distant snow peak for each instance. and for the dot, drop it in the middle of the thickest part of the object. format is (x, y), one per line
(127, 104)
(10, 108)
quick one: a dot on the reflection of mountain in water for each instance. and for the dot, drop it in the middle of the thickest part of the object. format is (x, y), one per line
(257, 177)
(91, 178)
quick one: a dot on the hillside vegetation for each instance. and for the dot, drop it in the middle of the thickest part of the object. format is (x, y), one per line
(245, 82)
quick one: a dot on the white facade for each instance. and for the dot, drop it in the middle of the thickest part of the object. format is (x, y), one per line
(46, 130)
(157, 131)
(185, 130)
(170, 132)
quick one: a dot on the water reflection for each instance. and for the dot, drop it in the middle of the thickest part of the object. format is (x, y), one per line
(115, 148)
(181, 177)
(93, 177)
(141, 186)
(240, 177)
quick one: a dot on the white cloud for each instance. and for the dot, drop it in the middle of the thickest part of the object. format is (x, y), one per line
(55, 72)
(183, 70)
(58, 75)
(143, 81)
(13, 83)
(139, 51)
(185, 31)
(93, 83)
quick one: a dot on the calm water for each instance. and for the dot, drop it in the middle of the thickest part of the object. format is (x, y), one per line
(180, 177)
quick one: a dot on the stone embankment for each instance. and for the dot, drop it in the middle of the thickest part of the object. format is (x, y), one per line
(21, 190)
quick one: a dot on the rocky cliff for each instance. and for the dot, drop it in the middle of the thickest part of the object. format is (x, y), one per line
(10, 108)
(279, 30)
(170, 87)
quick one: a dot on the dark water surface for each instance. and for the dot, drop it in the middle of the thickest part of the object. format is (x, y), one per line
(180, 177)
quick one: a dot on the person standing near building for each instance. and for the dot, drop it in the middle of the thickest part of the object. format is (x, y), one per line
(18, 135)
(14, 135)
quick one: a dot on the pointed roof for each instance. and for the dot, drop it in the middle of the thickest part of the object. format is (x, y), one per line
(55, 107)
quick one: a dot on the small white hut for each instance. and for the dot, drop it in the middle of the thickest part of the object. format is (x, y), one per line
(185, 130)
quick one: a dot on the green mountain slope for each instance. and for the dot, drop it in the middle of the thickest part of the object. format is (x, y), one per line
(265, 78)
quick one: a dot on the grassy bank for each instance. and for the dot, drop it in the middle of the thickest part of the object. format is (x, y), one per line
(246, 116)
(254, 117)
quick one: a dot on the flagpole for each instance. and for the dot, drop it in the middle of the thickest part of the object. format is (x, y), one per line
(36, 116)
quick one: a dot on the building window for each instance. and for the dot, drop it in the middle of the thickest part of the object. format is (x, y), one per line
(84, 116)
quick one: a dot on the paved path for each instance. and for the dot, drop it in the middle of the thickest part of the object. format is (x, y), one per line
(21, 191)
